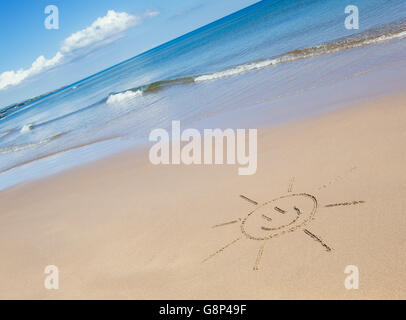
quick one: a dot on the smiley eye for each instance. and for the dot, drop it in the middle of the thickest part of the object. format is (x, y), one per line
(280, 210)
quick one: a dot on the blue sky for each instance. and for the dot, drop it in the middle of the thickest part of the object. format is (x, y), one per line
(142, 25)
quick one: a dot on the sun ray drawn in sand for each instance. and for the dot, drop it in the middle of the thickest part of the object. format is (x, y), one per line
(279, 216)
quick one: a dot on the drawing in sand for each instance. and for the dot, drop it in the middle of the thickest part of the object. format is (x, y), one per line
(279, 216)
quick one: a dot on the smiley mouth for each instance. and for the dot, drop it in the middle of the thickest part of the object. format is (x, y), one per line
(283, 226)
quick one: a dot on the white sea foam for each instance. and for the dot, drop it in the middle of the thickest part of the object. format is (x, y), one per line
(252, 66)
(21, 147)
(237, 70)
(398, 35)
(299, 54)
(123, 96)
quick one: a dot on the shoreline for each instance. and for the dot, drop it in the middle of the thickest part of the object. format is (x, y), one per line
(238, 118)
(254, 94)
(123, 228)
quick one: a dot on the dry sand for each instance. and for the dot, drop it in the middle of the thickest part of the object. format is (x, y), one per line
(123, 228)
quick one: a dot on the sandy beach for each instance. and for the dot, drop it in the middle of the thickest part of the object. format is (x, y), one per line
(123, 228)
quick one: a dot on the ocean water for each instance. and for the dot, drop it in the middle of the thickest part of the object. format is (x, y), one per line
(278, 56)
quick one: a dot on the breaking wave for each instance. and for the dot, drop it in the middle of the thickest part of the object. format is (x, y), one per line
(123, 96)
(386, 33)
(369, 37)
(27, 128)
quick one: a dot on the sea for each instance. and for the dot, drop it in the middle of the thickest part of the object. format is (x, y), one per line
(271, 63)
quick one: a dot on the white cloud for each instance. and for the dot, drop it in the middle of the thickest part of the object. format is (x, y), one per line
(11, 78)
(101, 31)
(104, 30)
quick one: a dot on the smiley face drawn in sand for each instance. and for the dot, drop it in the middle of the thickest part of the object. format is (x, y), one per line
(279, 216)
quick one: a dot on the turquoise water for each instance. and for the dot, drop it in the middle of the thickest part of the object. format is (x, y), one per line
(269, 52)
